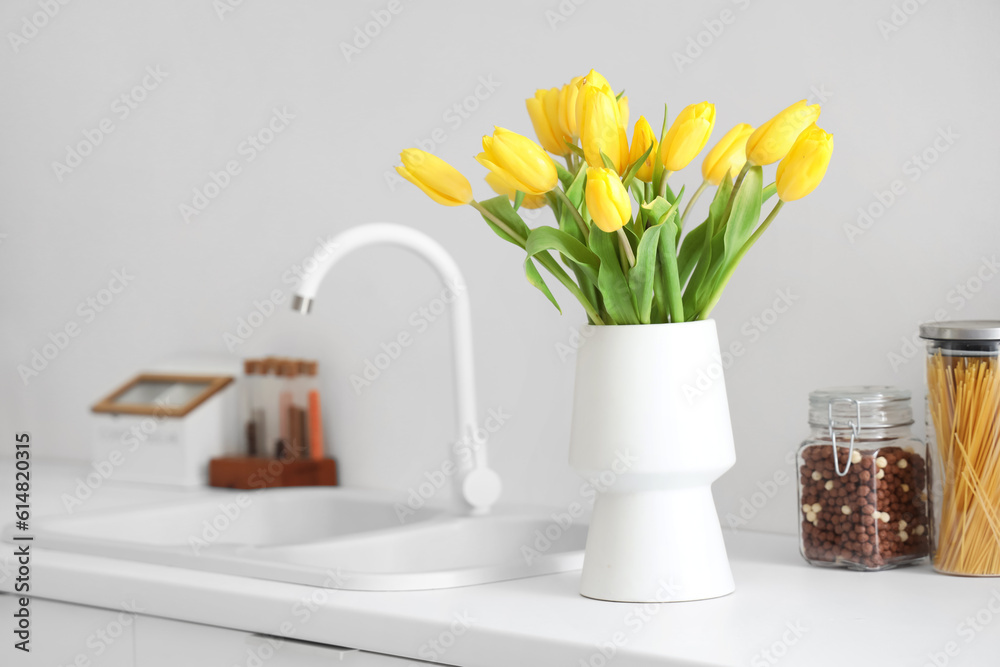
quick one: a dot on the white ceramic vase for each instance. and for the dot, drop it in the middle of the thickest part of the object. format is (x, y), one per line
(651, 432)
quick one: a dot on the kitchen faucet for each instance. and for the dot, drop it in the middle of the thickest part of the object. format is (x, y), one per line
(476, 486)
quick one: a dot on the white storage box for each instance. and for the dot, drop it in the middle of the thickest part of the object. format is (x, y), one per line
(165, 428)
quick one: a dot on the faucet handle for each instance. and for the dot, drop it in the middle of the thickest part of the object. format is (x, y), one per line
(481, 489)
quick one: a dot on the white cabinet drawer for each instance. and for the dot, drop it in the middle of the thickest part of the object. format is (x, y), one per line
(68, 635)
(167, 643)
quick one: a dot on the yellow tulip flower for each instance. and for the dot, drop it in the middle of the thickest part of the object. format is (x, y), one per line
(519, 162)
(601, 129)
(438, 179)
(501, 188)
(728, 155)
(567, 108)
(771, 141)
(642, 138)
(543, 109)
(607, 199)
(804, 166)
(623, 109)
(592, 79)
(687, 136)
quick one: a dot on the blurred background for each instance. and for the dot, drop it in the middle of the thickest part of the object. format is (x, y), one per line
(125, 219)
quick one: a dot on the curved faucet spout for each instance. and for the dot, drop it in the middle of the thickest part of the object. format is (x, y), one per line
(476, 485)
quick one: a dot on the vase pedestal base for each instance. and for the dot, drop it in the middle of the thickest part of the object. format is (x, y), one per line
(662, 545)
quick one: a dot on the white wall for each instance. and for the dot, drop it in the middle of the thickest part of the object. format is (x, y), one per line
(886, 97)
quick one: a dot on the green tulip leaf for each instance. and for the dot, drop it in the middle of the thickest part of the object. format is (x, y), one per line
(548, 238)
(608, 163)
(501, 208)
(739, 227)
(745, 213)
(638, 191)
(669, 194)
(690, 251)
(670, 280)
(641, 277)
(660, 209)
(518, 200)
(576, 150)
(535, 279)
(565, 176)
(611, 280)
(635, 167)
(575, 191)
(693, 246)
(674, 216)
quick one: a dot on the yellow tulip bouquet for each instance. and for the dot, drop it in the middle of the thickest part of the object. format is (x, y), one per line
(632, 269)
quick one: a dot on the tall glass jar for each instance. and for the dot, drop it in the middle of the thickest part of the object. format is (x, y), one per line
(862, 481)
(963, 428)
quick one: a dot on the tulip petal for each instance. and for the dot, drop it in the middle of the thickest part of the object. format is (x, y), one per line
(438, 179)
(805, 165)
(772, 140)
(513, 184)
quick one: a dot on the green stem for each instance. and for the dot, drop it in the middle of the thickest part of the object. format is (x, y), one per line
(576, 214)
(626, 247)
(732, 194)
(717, 294)
(570, 163)
(663, 183)
(546, 260)
(520, 240)
(694, 198)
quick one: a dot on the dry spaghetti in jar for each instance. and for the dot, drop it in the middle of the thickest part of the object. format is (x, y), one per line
(963, 429)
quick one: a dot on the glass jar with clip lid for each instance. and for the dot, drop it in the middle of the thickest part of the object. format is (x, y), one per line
(862, 480)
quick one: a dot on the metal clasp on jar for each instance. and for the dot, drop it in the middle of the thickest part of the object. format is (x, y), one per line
(854, 425)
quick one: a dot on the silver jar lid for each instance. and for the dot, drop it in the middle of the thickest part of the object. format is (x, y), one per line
(867, 406)
(961, 330)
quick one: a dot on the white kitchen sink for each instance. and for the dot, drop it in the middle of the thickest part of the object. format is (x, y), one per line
(332, 537)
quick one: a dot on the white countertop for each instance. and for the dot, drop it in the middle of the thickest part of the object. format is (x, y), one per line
(783, 611)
